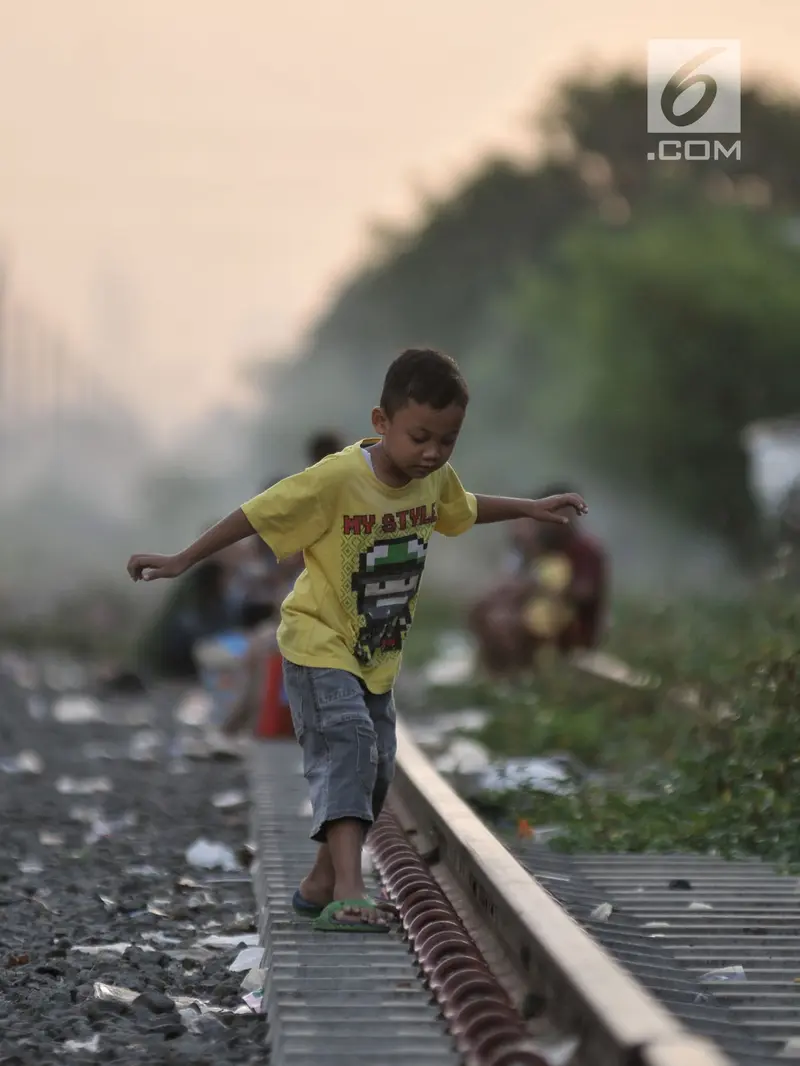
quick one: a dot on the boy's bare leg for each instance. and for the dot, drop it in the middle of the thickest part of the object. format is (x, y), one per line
(331, 719)
(336, 873)
(319, 884)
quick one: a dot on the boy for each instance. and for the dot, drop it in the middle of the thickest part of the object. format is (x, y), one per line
(363, 519)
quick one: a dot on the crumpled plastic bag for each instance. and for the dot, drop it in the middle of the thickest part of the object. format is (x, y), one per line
(247, 959)
(218, 940)
(118, 994)
(255, 1000)
(145, 746)
(253, 980)
(83, 786)
(101, 949)
(76, 710)
(726, 973)
(101, 828)
(27, 762)
(228, 801)
(195, 709)
(209, 855)
(92, 1046)
(30, 867)
(200, 1023)
(554, 775)
(601, 913)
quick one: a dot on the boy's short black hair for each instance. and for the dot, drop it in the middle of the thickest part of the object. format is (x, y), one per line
(425, 376)
(323, 444)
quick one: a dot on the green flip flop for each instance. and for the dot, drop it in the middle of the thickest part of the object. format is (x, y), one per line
(328, 923)
(306, 909)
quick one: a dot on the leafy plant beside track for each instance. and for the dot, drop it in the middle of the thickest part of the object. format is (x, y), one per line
(706, 760)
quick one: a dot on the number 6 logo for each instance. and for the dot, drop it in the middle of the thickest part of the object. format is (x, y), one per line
(702, 72)
(684, 79)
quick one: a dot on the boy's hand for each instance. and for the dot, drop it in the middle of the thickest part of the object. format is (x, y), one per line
(547, 509)
(150, 567)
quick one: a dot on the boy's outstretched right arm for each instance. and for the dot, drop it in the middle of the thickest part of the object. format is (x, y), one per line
(229, 531)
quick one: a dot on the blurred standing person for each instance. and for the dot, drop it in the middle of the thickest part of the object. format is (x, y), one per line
(555, 596)
(272, 581)
(268, 579)
(322, 444)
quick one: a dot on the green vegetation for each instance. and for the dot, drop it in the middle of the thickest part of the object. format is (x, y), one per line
(708, 761)
(651, 339)
(434, 615)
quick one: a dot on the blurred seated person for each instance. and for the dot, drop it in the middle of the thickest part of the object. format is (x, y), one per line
(261, 606)
(554, 596)
(204, 603)
(197, 607)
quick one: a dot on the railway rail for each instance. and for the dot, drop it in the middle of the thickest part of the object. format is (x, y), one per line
(496, 960)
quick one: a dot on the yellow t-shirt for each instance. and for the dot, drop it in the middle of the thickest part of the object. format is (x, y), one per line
(365, 546)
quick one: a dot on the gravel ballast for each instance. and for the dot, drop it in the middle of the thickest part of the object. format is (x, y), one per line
(104, 953)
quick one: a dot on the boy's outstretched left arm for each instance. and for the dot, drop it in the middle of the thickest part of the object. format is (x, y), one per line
(549, 509)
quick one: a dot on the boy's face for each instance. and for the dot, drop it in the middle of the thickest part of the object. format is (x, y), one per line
(419, 439)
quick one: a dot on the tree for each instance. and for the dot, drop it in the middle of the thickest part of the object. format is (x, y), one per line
(662, 342)
(606, 121)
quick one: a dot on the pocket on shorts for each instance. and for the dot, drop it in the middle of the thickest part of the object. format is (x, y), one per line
(338, 696)
(367, 756)
(343, 719)
(389, 710)
(299, 696)
(384, 718)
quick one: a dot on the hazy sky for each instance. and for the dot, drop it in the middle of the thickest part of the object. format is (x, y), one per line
(182, 179)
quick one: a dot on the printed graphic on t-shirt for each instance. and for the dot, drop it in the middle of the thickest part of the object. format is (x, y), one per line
(386, 582)
(382, 574)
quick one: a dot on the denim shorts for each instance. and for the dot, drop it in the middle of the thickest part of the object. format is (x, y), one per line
(349, 740)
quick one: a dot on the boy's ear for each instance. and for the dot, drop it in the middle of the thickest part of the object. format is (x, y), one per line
(379, 420)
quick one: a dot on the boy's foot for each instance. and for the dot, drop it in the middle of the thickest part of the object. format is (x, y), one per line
(303, 907)
(313, 894)
(312, 897)
(352, 916)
